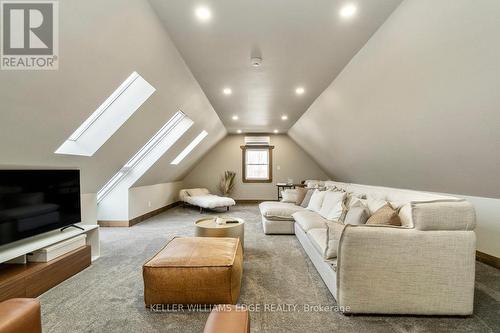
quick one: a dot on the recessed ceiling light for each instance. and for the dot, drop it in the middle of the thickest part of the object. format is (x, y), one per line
(348, 10)
(275, 131)
(239, 131)
(227, 91)
(203, 14)
(284, 117)
(299, 90)
(235, 117)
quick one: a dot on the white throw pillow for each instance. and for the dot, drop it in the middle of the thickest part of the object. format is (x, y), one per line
(332, 207)
(194, 192)
(316, 201)
(289, 195)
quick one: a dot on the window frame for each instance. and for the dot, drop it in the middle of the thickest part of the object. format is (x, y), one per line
(244, 149)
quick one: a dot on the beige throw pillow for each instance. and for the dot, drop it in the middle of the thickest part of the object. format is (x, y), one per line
(385, 215)
(301, 194)
(333, 234)
(307, 198)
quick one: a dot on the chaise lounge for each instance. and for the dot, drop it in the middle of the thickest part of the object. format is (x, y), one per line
(201, 197)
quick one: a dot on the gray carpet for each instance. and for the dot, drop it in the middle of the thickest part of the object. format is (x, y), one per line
(108, 296)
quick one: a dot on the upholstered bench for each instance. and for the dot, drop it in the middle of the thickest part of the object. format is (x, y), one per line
(194, 270)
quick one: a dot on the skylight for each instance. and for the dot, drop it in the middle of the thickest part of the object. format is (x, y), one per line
(162, 141)
(189, 148)
(108, 117)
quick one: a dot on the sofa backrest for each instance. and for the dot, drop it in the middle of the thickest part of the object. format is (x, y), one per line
(420, 210)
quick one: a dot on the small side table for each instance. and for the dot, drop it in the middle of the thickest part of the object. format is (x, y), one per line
(206, 227)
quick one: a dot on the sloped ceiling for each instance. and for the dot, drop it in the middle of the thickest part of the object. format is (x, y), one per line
(302, 43)
(101, 43)
(418, 106)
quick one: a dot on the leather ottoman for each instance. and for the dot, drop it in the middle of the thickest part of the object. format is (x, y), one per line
(194, 270)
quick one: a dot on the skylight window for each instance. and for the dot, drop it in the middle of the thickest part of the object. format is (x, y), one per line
(108, 117)
(162, 141)
(189, 147)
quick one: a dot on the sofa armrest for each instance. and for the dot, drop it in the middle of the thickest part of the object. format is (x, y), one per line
(443, 215)
(228, 319)
(406, 271)
(20, 315)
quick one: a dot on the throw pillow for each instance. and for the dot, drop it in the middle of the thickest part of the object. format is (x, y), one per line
(358, 213)
(333, 234)
(332, 208)
(301, 193)
(289, 195)
(375, 204)
(307, 198)
(316, 201)
(197, 191)
(385, 215)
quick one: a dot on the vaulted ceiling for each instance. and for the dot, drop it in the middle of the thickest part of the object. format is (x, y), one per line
(301, 45)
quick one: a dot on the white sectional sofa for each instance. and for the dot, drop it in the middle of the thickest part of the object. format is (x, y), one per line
(426, 266)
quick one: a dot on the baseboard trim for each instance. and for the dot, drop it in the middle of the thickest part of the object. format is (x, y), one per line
(488, 259)
(138, 219)
(250, 201)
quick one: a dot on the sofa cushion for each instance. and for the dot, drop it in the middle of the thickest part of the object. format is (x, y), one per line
(307, 198)
(332, 206)
(333, 234)
(274, 210)
(318, 239)
(385, 215)
(316, 201)
(308, 220)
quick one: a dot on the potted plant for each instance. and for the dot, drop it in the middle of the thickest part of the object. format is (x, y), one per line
(226, 182)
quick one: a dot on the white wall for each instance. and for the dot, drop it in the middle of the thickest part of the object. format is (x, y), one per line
(89, 208)
(291, 160)
(418, 107)
(145, 199)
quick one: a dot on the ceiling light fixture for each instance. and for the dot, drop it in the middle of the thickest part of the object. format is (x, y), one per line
(275, 131)
(348, 10)
(235, 117)
(256, 61)
(284, 117)
(239, 131)
(227, 91)
(203, 14)
(299, 90)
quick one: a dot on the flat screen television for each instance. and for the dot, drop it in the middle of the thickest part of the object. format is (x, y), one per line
(37, 201)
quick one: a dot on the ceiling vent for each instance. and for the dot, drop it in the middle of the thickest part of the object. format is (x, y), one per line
(257, 140)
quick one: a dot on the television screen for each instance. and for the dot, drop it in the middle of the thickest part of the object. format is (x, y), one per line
(37, 201)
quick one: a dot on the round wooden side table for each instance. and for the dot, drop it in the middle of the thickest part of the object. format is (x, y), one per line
(206, 227)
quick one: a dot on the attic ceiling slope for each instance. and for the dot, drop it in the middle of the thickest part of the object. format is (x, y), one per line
(98, 51)
(417, 107)
(301, 45)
